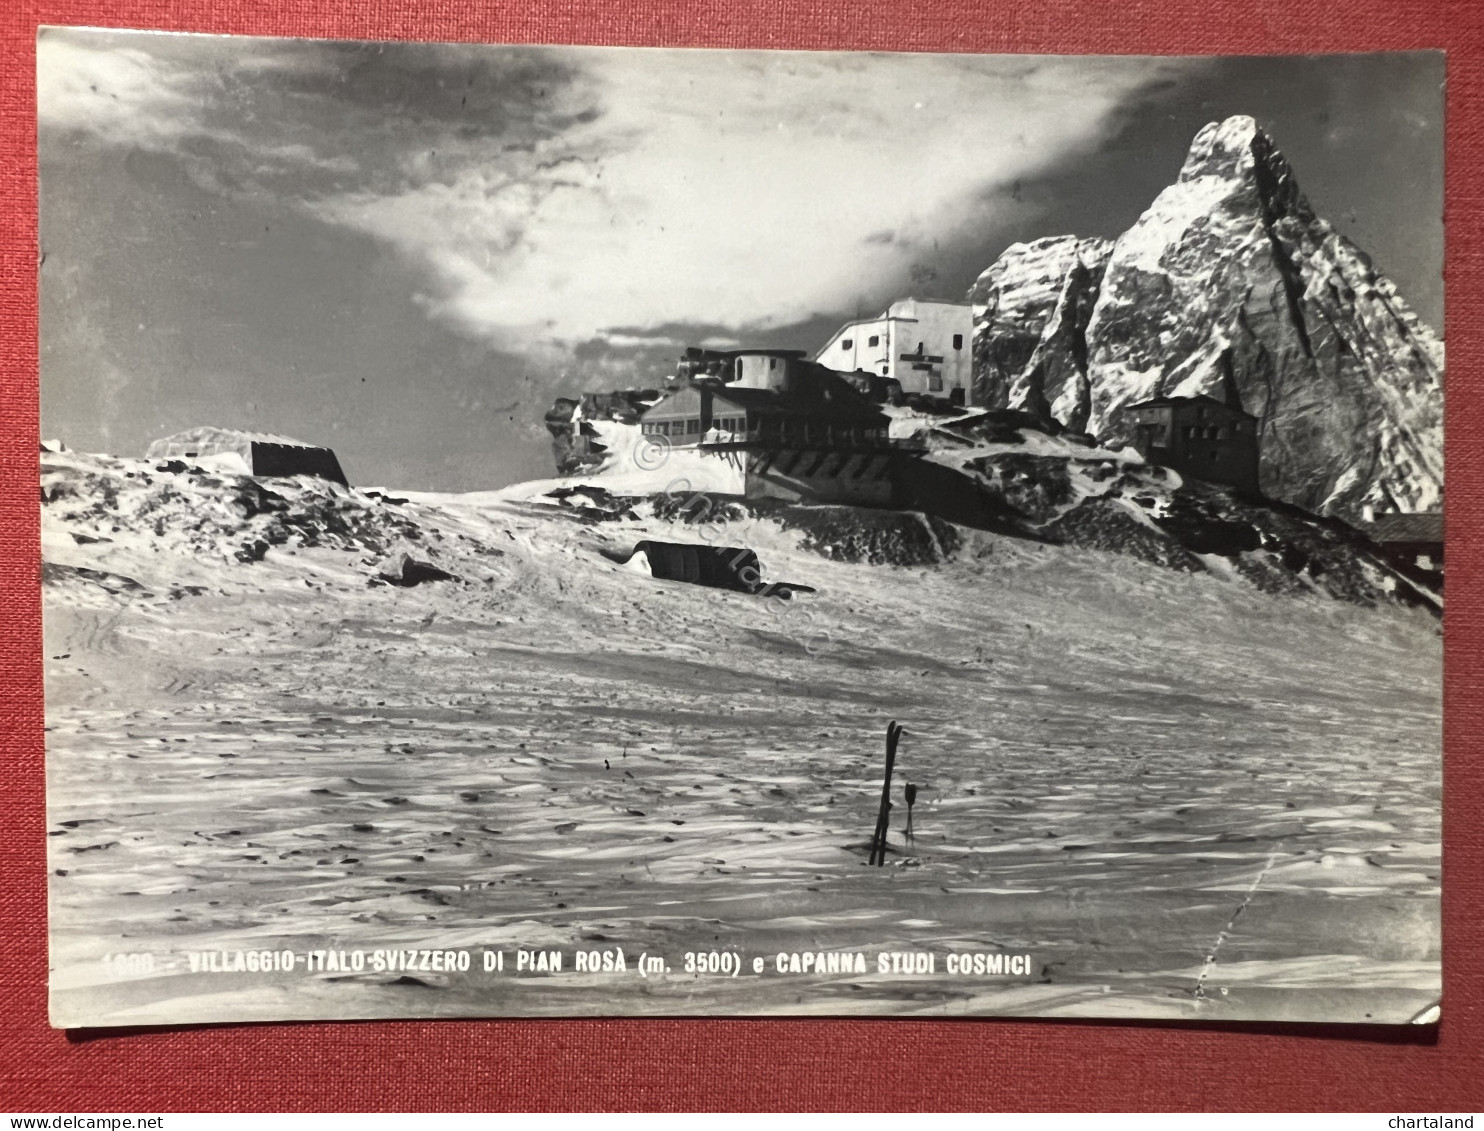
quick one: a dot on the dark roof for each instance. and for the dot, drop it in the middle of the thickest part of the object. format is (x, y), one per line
(666, 405)
(699, 353)
(757, 400)
(1424, 527)
(812, 391)
(1161, 402)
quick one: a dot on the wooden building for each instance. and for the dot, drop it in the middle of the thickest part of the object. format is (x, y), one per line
(1200, 437)
(812, 437)
(1408, 540)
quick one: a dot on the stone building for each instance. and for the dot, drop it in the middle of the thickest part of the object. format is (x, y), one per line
(1200, 437)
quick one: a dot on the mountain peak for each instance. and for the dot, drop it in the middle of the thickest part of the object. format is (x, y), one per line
(1239, 153)
(1226, 149)
(1229, 276)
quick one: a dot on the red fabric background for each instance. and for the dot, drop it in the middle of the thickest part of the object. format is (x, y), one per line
(676, 1065)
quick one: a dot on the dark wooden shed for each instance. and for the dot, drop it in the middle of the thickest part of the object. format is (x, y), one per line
(1409, 539)
(722, 567)
(253, 452)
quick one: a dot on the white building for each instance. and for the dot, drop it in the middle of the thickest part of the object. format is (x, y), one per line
(764, 369)
(926, 347)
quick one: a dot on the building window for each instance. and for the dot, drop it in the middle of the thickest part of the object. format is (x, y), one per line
(772, 363)
(958, 341)
(693, 426)
(873, 341)
(847, 344)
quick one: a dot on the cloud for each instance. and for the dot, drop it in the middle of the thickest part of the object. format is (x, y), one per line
(745, 190)
(551, 197)
(125, 95)
(299, 120)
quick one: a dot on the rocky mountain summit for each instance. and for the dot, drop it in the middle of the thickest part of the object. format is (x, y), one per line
(1228, 282)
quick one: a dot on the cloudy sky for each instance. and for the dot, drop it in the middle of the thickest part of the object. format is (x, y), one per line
(406, 251)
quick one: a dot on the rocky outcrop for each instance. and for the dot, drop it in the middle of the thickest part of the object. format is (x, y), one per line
(575, 441)
(145, 515)
(866, 535)
(1098, 503)
(401, 568)
(1230, 281)
(570, 448)
(1030, 348)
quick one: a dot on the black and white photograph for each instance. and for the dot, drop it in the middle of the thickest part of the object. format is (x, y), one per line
(555, 531)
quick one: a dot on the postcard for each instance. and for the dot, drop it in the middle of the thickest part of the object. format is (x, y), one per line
(567, 531)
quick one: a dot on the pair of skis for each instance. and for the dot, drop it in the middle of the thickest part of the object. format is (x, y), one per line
(883, 816)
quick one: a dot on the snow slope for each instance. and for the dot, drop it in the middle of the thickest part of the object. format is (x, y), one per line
(558, 751)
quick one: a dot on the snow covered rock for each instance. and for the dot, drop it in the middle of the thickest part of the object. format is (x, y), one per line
(120, 529)
(171, 525)
(400, 567)
(597, 430)
(1030, 338)
(1230, 280)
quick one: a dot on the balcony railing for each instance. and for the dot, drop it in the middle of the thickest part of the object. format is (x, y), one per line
(831, 438)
